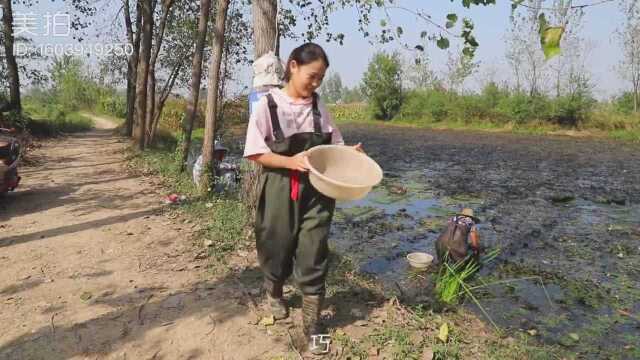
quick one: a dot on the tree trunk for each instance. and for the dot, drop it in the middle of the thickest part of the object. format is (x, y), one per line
(265, 26)
(132, 64)
(151, 86)
(164, 95)
(12, 65)
(212, 96)
(151, 103)
(265, 37)
(558, 82)
(196, 77)
(635, 99)
(143, 73)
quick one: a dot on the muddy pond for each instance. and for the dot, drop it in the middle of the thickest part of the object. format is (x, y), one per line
(564, 210)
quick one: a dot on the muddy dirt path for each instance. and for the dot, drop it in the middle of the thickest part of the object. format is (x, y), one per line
(94, 267)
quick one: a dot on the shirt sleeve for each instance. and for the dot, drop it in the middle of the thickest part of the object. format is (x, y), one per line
(259, 130)
(336, 135)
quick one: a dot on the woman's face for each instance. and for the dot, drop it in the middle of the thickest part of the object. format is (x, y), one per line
(307, 78)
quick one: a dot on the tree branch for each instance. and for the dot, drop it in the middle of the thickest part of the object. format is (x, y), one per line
(572, 7)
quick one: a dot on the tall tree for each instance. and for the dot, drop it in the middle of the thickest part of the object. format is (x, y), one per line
(151, 84)
(523, 50)
(459, 68)
(196, 77)
(382, 84)
(12, 65)
(143, 73)
(630, 41)
(418, 74)
(265, 39)
(332, 89)
(133, 37)
(212, 95)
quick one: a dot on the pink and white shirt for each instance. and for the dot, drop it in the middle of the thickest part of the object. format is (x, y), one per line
(296, 116)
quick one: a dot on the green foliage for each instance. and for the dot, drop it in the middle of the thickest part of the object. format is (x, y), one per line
(425, 105)
(624, 103)
(495, 105)
(571, 110)
(605, 117)
(72, 88)
(521, 108)
(382, 85)
(174, 112)
(112, 104)
(491, 95)
(43, 117)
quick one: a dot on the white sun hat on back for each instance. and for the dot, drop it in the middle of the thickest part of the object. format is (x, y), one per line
(267, 71)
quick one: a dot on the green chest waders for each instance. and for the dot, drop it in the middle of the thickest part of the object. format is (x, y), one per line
(292, 227)
(292, 217)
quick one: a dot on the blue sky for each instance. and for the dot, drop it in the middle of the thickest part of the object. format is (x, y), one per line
(491, 24)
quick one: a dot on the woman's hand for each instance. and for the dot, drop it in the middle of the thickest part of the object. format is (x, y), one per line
(358, 148)
(298, 162)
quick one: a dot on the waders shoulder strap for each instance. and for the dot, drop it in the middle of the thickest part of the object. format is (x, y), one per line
(317, 115)
(275, 121)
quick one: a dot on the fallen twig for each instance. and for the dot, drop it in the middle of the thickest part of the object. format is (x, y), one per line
(53, 327)
(213, 325)
(155, 355)
(140, 320)
(628, 314)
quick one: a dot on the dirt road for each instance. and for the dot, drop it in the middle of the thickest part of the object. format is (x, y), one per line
(93, 267)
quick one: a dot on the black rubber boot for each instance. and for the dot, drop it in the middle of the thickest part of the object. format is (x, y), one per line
(277, 304)
(317, 338)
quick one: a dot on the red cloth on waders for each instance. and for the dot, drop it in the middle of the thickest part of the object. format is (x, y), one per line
(294, 177)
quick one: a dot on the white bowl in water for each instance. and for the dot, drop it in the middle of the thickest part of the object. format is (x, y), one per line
(342, 173)
(420, 260)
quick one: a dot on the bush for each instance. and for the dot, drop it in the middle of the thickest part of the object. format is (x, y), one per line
(382, 85)
(606, 118)
(112, 104)
(492, 95)
(473, 107)
(571, 110)
(72, 87)
(624, 103)
(521, 108)
(173, 115)
(424, 105)
(44, 117)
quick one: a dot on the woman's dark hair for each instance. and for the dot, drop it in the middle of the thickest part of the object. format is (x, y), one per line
(303, 55)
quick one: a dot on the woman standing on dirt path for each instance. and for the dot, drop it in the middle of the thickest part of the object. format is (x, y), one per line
(293, 218)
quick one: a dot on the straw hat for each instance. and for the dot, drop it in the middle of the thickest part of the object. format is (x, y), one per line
(469, 213)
